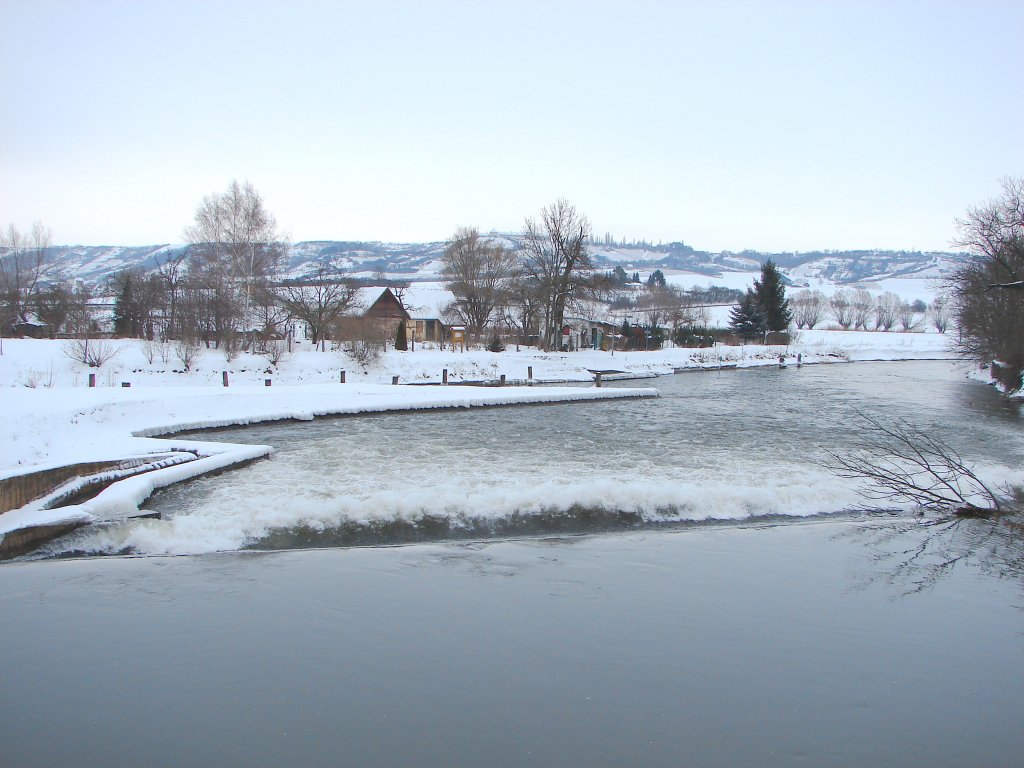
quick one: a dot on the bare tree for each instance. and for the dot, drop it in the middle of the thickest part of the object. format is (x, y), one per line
(171, 274)
(887, 310)
(841, 305)
(901, 462)
(938, 313)
(808, 308)
(268, 319)
(558, 261)
(236, 249)
(685, 311)
(399, 287)
(522, 308)
(988, 229)
(985, 291)
(908, 317)
(861, 305)
(80, 320)
(663, 303)
(274, 351)
(479, 274)
(53, 306)
(22, 266)
(186, 349)
(319, 301)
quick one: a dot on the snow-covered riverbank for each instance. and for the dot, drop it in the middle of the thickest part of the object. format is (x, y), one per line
(42, 364)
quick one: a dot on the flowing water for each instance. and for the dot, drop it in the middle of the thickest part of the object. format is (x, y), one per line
(735, 445)
(747, 617)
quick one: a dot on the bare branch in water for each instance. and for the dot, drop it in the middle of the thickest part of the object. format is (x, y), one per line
(899, 462)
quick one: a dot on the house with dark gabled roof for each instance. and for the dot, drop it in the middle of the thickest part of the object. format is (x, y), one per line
(387, 308)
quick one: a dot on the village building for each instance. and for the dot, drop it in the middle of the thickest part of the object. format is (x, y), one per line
(422, 318)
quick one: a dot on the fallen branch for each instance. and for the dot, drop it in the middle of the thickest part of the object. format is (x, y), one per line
(901, 462)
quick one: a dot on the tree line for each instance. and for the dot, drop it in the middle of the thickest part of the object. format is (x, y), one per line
(858, 309)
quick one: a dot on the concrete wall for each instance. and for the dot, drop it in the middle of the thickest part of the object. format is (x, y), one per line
(14, 543)
(18, 491)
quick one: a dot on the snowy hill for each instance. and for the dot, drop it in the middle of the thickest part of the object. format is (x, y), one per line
(421, 261)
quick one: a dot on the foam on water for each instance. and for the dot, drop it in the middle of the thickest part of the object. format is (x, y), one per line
(495, 506)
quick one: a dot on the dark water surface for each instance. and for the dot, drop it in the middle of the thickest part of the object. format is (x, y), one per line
(812, 641)
(710, 647)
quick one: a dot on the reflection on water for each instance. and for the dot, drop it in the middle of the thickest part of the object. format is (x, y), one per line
(914, 555)
(720, 446)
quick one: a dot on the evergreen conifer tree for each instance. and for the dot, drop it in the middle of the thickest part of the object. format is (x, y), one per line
(124, 306)
(657, 278)
(401, 343)
(747, 319)
(771, 299)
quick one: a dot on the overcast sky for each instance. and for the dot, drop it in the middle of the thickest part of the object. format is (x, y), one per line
(728, 125)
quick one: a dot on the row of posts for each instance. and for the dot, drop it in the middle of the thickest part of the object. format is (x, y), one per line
(341, 376)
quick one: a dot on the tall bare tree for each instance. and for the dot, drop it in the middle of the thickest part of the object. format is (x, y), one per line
(22, 267)
(557, 260)
(319, 300)
(986, 295)
(479, 273)
(171, 274)
(236, 250)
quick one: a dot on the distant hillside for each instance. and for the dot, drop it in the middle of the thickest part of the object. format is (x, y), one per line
(421, 261)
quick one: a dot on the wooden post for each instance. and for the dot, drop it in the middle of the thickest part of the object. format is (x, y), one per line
(597, 378)
(529, 372)
(503, 379)
(394, 379)
(224, 378)
(444, 375)
(266, 382)
(92, 379)
(342, 377)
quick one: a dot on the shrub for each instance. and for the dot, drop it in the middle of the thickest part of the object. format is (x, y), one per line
(93, 352)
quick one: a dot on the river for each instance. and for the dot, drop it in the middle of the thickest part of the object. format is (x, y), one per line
(663, 582)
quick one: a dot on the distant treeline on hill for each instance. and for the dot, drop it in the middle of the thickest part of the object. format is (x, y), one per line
(417, 261)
